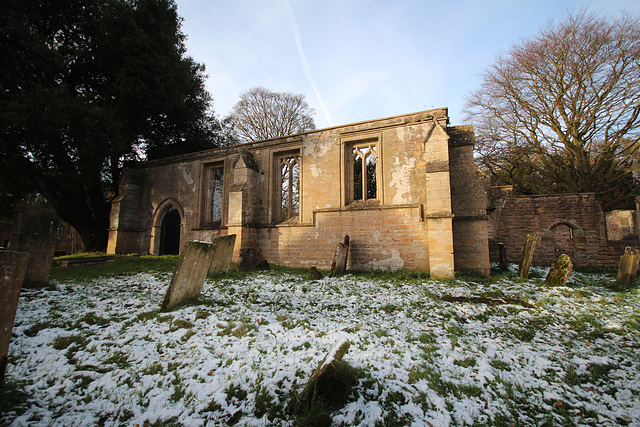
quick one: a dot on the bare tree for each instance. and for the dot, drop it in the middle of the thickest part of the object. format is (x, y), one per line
(560, 111)
(262, 114)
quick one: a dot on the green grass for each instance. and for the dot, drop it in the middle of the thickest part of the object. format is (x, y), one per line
(92, 318)
(33, 330)
(62, 343)
(122, 265)
(13, 397)
(118, 358)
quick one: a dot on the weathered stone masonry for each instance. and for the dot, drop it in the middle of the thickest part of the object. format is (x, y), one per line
(405, 189)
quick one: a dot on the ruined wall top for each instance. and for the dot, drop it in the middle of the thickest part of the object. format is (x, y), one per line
(438, 115)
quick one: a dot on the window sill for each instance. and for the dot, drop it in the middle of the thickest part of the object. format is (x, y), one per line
(363, 204)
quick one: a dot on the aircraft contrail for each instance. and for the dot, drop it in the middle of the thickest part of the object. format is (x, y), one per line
(307, 70)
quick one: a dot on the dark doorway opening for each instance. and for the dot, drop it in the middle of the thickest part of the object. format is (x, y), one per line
(170, 233)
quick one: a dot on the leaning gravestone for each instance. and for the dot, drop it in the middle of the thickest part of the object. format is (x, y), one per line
(527, 255)
(560, 271)
(13, 266)
(326, 367)
(339, 263)
(222, 254)
(628, 266)
(191, 271)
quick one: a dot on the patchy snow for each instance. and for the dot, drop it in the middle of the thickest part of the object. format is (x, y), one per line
(250, 344)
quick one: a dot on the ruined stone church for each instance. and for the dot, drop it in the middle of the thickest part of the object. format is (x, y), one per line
(404, 189)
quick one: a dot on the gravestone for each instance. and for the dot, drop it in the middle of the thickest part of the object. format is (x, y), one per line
(37, 237)
(327, 366)
(628, 266)
(560, 271)
(191, 271)
(502, 256)
(263, 264)
(13, 266)
(222, 254)
(527, 255)
(314, 274)
(339, 263)
(247, 259)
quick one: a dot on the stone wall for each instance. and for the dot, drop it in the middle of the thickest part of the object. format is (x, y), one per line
(400, 243)
(573, 224)
(422, 168)
(468, 204)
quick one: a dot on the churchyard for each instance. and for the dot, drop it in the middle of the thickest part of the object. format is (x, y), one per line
(94, 348)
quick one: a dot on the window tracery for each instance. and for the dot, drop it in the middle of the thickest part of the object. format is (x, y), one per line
(289, 167)
(364, 162)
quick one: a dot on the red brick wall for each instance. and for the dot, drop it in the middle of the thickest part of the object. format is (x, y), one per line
(565, 223)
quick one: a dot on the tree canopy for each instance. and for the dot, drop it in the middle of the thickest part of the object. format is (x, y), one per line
(262, 114)
(87, 86)
(560, 111)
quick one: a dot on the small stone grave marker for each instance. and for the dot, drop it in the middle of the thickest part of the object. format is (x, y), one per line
(339, 263)
(527, 255)
(628, 266)
(191, 271)
(314, 274)
(502, 256)
(13, 266)
(560, 271)
(247, 259)
(263, 264)
(222, 254)
(327, 366)
(38, 238)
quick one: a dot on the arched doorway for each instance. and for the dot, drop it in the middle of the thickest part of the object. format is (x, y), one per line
(170, 232)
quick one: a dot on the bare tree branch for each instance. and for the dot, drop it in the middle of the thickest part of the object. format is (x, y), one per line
(262, 114)
(565, 105)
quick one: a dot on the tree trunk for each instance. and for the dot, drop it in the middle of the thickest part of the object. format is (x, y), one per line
(84, 208)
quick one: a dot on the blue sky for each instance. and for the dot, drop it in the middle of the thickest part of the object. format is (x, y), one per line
(358, 60)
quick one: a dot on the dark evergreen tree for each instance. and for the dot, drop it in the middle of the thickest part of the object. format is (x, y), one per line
(86, 86)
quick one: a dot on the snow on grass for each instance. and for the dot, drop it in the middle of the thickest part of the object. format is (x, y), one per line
(100, 352)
